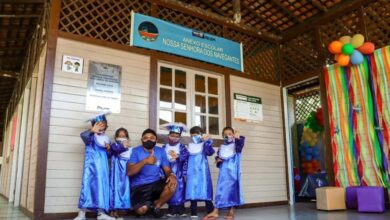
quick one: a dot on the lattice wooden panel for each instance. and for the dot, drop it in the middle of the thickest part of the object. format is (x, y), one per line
(377, 20)
(299, 56)
(101, 19)
(189, 21)
(260, 57)
(305, 104)
(345, 25)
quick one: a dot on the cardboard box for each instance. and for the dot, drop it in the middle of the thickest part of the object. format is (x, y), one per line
(330, 198)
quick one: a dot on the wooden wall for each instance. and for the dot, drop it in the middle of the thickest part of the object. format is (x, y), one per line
(30, 145)
(263, 158)
(68, 116)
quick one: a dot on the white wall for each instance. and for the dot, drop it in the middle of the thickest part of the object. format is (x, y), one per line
(263, 157)
(68, 116)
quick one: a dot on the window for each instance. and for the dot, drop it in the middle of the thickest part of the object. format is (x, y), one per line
(191, 97)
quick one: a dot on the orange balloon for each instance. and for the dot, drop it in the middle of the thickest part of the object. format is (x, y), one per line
(335, 47)
(367, 48)
(336, 57)
(343, 60)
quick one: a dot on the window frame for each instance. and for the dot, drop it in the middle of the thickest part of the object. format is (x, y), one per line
(190, 97)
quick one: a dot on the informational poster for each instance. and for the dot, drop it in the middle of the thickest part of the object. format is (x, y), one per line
(72, 64)
(248, 108)
(153, 33)
(103, 88)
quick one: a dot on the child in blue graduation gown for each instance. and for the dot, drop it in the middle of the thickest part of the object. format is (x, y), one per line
(119, 181)
(199, 185)
(94, 194)
(177, 154)
(229, 190)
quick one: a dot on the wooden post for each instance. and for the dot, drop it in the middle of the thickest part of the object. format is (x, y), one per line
(43, 139)
(327, 137)
(362, 22)
(237, 11)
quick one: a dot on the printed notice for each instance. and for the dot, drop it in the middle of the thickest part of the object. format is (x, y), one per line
(103, 88)
(248, 108)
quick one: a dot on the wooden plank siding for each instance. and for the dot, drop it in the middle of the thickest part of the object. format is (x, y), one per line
(263, 158)
(68, 116)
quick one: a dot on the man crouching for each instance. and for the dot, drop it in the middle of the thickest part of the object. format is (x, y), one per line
(149, 189)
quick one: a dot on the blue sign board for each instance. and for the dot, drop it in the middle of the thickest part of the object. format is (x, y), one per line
(152, 33)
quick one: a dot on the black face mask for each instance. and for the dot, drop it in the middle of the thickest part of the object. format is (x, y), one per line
(149, 144)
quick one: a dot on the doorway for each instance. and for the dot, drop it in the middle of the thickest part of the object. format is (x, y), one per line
(304, 139)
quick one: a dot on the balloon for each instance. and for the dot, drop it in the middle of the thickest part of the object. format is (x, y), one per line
(367, 48)
(345, 39)
(308, 157)
(356, 57)
(335, 47)
(347, 49)
(357, 40)
(343, 60)
(336, 56)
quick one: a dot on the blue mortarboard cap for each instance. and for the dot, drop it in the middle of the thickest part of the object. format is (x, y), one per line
(99, 118)
(175, 127)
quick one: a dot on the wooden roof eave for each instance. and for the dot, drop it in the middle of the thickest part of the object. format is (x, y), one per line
(334, 12)
(213, 17)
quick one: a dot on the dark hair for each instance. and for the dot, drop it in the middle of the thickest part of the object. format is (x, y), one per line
(196, 130)
(227, 128)
(172, 132)
(121, 129)
(149, 131)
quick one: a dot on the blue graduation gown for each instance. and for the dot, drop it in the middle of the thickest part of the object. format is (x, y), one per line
(199, 185)
(179, 167)
(229, 189)
(94, 192)
(119, 181)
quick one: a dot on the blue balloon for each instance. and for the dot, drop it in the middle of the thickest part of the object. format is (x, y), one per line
(309, 151)
(308, 157)
(356, 57)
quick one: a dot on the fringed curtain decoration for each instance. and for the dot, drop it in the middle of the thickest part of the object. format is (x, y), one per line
(359, 103)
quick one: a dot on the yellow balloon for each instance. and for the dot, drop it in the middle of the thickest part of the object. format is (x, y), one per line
(357, 40)
(345, 39)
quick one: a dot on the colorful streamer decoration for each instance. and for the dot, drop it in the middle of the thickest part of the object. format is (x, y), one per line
(379, 64)
(358, 102)
(341, 127)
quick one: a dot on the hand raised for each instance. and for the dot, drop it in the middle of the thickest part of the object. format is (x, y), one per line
(151, 159)
(98, 128)
(237, 134)
(205, 137)
(126, 144)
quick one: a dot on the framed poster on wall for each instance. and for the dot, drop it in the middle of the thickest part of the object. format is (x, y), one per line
(248, 108)
(103, 87)
(72, 64)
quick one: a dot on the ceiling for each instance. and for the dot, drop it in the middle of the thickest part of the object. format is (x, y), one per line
(18, 20)
(271, 17)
